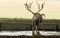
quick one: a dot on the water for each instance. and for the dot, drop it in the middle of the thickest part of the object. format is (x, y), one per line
(28, 33)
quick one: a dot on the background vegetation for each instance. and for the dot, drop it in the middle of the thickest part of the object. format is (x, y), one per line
(15, 21)
(26, 21)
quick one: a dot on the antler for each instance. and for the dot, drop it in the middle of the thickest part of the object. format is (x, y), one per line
(39, 7)
(28, 7)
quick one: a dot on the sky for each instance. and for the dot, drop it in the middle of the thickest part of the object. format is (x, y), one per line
(16, 9)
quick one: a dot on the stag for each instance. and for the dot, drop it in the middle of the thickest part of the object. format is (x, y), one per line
(37, 17)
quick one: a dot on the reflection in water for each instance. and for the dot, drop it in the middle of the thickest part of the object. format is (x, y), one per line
(29, 33)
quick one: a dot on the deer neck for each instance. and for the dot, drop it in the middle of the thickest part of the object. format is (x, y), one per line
(36, 16)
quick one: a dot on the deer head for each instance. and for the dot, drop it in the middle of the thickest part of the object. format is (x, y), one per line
(28, 7)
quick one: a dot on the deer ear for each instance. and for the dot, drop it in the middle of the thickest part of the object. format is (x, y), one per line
(43, 15)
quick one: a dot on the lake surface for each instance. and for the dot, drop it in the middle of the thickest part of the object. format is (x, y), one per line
(28, 33)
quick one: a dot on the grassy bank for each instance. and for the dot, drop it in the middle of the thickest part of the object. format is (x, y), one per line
(21, 20)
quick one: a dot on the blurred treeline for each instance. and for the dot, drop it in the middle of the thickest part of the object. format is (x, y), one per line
(26, 21)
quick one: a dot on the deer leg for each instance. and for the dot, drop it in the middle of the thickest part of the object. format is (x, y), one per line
(33, 28)
(36, 29)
